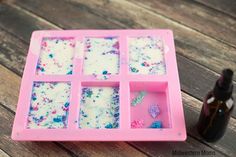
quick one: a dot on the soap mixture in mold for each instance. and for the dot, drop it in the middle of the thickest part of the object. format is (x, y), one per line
(49, 105)
(56, 56)
(101, 56)
(153, 110)
(99, 107)
(146, 55)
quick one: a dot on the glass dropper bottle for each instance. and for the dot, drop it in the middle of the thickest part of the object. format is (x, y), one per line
(217, 108)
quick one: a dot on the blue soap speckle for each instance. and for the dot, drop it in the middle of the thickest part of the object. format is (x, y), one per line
(116, 115)
(31, 108)
(64, 118)
(66, 104)
(57, 119)
(156, 124)
(50, 55)
(110, 38)
(70, 72)
(84, 115)
(104, 72)
(109, 126)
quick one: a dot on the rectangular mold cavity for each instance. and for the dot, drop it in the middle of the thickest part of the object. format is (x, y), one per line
(56, 56)
(99, 106)
(102, 56)
(146, 55)
(49, 106)
(146, 96)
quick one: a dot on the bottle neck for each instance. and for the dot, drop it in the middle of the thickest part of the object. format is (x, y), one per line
(222, 93)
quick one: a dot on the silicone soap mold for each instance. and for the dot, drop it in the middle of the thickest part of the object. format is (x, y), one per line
(100, 85)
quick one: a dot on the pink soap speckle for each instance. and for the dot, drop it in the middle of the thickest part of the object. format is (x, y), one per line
(137, 124)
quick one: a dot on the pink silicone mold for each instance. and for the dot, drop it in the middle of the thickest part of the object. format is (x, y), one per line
(100, 85)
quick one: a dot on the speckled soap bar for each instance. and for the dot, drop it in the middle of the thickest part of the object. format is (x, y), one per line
(49, 105)
(99, 107)
(56, 56)
(101, 56)
(100, 85)
(146, 55)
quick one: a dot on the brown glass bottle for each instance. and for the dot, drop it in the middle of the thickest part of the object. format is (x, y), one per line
(217, 108)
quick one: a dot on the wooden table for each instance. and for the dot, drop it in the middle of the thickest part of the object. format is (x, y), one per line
(205, 38)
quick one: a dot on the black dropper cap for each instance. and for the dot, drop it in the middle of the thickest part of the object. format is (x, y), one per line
(224, 87)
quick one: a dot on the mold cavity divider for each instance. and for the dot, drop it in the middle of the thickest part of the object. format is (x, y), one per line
(76, 84)
(124, 84)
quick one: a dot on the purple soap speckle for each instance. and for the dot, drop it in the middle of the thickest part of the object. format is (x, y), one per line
(154, 110)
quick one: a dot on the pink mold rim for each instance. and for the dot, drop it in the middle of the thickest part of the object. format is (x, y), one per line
(167, 85)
